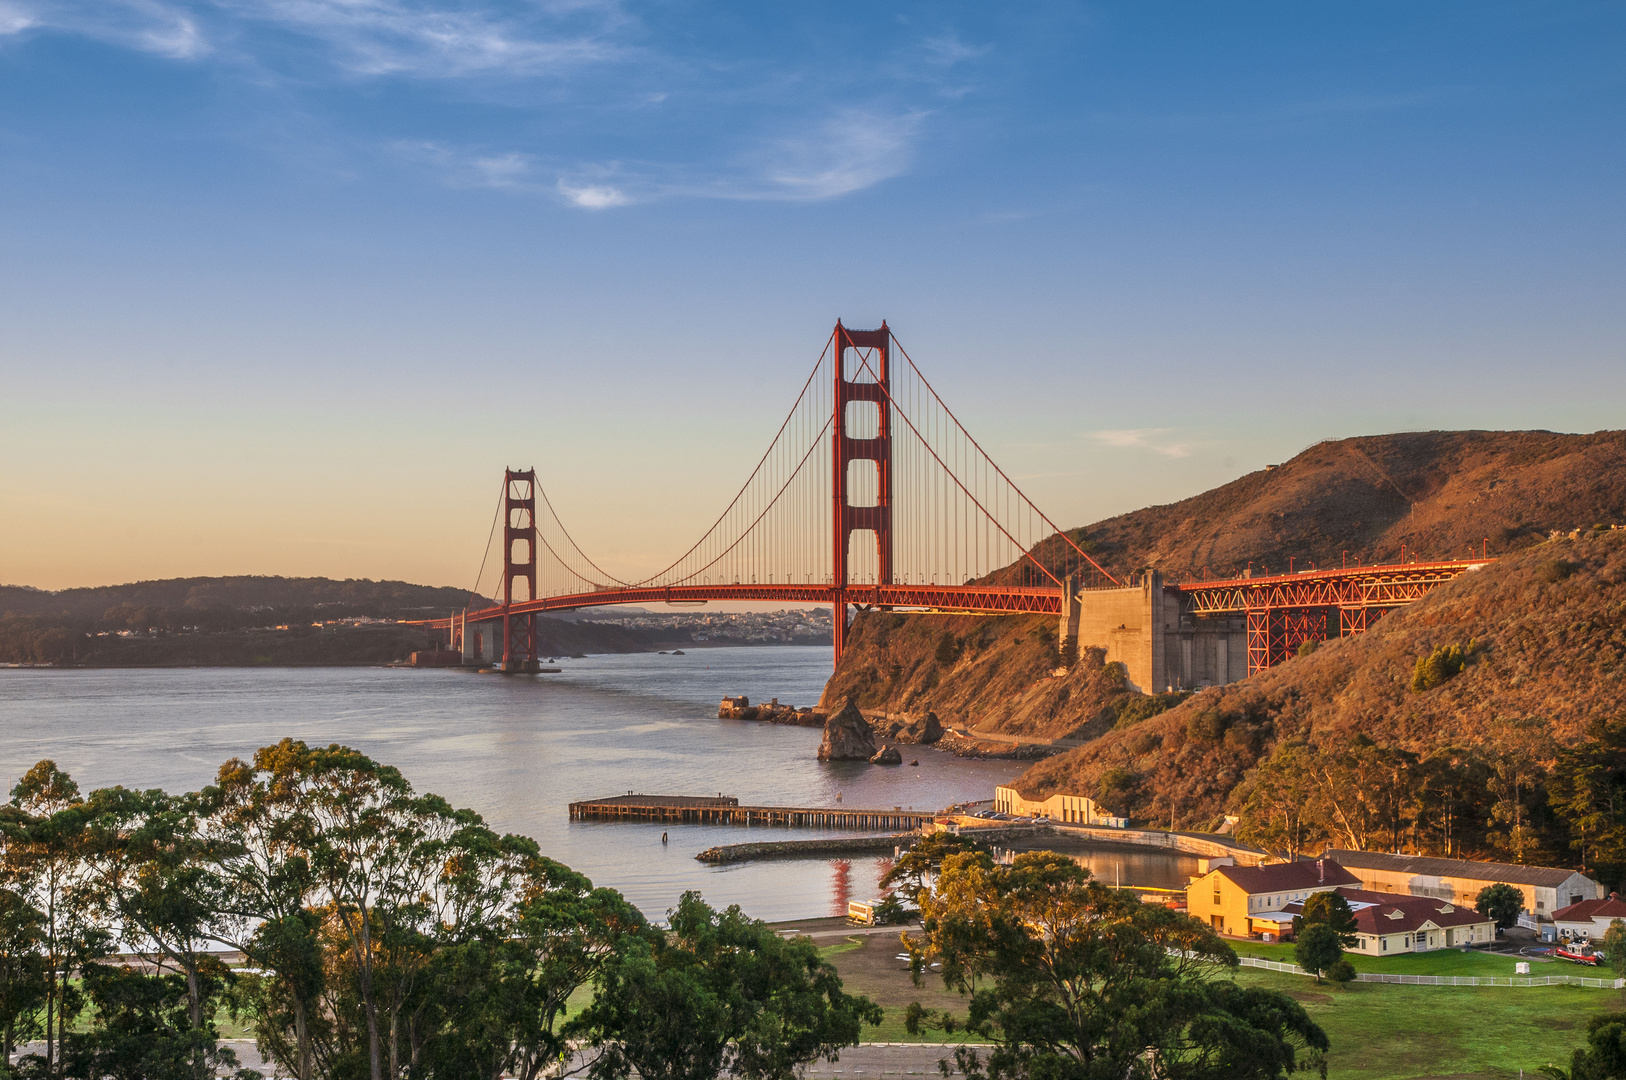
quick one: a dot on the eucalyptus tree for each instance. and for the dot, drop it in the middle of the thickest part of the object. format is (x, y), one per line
(720, 992)
(1073, 980)
(264, 888)
(151, 872)
(22, 965)
(45, 865)
(501, 997)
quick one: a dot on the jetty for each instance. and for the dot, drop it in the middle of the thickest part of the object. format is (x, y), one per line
(726, 810)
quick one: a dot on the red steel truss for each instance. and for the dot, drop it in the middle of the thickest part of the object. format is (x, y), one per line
(1286, 610)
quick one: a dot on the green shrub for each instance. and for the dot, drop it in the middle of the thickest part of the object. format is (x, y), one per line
(1555, 570)
(1444, 663)
(1137, 707)
(1206, 725)
(948, 649)
(1307, 646)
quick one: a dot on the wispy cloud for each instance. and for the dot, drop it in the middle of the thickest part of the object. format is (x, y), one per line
(426, 39)
(948, 49)
(167, 30)
(593, 196)
(849, 152)
(1143, 439)
(419, 38)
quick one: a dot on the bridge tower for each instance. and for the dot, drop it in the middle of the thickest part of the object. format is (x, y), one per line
(519, 527)
(846, 449)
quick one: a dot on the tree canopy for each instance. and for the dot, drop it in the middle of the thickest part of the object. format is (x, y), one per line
(1070, 979)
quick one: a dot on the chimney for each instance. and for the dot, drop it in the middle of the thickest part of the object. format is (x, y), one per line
(1321, 871)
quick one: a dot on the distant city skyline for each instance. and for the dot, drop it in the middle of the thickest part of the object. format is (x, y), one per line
(285, 286)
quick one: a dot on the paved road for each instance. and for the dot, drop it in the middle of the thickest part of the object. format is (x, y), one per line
(871, 1060)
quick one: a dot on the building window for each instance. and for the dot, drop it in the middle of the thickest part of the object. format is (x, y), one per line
(1216, 897)
(1541, 905)
(1385, 945)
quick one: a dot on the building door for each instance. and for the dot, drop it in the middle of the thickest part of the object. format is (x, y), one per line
(1219, 923)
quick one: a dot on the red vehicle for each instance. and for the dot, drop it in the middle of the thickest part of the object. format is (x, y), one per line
(1579, 952)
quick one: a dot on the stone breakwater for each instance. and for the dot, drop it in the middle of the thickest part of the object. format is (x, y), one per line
(803, 849)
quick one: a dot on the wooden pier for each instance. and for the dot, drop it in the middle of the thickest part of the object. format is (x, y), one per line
(726, 810)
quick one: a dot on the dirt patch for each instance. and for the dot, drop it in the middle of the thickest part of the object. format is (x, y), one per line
(873, 969)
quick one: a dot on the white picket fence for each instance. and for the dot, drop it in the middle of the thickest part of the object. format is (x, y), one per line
(1448, 980)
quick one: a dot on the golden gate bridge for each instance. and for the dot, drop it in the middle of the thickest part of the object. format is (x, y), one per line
(873, 494)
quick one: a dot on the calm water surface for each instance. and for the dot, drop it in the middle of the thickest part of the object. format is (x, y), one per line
(518, 750)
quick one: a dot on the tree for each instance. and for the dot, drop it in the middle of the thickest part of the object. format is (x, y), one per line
(720, 992)
(1439, 666)
(1604, 1056)
(1069, 978)
(1327, 909)
(1614, 946)
(45, 863)
(22, 970)
(146, 1027)
(912, 873)
(1283, 810)
(948, 650)
(1501, 903)
(150, 876)
(1588, 792)
(1318, 948)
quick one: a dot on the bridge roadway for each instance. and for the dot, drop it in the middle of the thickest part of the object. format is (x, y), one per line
(993, 599)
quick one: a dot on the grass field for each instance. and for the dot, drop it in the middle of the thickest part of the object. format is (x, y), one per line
(1438, 962)
(1379, 1031)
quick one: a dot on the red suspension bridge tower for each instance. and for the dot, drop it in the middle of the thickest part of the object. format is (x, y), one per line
(519, 531)
(872, 444)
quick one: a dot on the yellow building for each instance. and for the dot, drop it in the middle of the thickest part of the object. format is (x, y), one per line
(1071, 809)
(1240, 900)
(1545, 889)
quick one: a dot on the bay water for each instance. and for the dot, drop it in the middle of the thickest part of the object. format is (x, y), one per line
(519, 750)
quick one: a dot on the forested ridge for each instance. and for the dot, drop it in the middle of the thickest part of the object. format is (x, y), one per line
(253, 621)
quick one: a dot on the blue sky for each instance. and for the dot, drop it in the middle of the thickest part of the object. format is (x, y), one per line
(284, 284)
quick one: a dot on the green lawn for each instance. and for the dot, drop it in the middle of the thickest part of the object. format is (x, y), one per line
(1382, 1031)
(1438, 962)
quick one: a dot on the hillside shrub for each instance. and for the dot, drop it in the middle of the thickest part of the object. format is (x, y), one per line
(1555, 570)
(948, 649)
(1206, 725)
(1444, 663)
(1307, 646)
(1138, 707)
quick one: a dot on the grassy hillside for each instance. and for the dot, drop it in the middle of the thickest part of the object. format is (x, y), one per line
(1439, 493)
(992, 674)
(1541, 637)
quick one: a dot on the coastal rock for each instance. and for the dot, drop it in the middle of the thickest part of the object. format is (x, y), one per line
(926, 730)
(847, 736)
(887, 755)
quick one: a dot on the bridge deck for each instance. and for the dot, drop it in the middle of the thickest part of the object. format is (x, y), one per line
(726, 810)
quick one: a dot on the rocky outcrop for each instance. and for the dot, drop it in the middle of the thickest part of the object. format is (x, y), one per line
(740, 708)
(925, 730)
(847, 736)
(887, 755)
